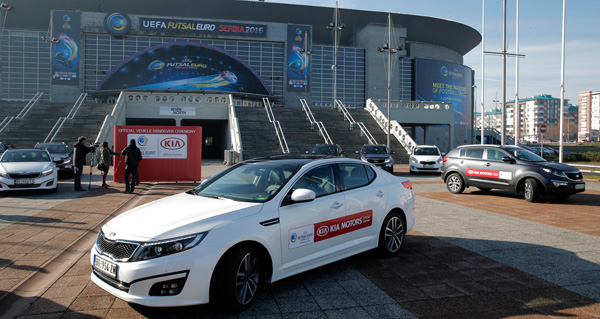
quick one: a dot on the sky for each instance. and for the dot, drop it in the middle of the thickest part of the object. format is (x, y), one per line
(540, 40)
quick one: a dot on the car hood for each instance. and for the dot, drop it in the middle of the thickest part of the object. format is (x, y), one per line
(26, 167)
(376, 156)
(559, 166)
(59, 156)
(426, 158)
(177, 215)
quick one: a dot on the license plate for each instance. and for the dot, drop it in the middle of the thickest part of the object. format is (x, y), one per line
(105, 266)
(23, 181)
(428, 165)
(579, 186)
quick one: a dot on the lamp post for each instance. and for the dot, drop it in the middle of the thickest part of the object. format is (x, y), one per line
(336, 27)
(385, 47)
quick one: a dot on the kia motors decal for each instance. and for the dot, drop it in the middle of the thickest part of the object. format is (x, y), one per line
(161, 145)
(331, 228)
(489, 174)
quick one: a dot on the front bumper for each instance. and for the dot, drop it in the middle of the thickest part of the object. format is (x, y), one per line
(562, 187)
(433, 168)
(134, 280)
(46, 182)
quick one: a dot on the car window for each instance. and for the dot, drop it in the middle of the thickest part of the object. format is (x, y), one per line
(354, 175)
(495, 155)
(474, 153)
(374, 149)
(320, 180)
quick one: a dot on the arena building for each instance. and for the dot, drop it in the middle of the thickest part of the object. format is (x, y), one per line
(245, 49)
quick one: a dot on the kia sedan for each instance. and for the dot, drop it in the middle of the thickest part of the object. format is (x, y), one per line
(27, 169)
(259, 221)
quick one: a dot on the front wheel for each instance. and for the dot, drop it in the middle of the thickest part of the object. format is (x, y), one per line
(237, 279)
(391, 235)
(455, 183)
(531, 190)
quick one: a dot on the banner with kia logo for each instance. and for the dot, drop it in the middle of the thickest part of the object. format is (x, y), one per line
(169, 153)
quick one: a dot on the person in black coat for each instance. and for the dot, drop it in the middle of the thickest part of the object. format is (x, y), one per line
(80, 150)
(133, 156)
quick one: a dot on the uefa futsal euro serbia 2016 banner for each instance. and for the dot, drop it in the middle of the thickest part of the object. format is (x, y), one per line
(298, 67)
(185, 66)
(65, 47)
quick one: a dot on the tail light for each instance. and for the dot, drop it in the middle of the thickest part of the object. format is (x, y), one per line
(445, 159)
(407, 184)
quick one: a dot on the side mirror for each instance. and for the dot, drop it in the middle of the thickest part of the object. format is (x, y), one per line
(443, 154)
(303, 195)
(507, 159)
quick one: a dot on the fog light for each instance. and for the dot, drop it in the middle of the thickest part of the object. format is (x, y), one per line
(50, 183)
(167, 288)
(559, 184)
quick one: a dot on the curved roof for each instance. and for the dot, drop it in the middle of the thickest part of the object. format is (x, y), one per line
(456, 36)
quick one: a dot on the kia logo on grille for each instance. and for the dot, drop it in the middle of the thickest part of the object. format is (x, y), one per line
(112, 234)
(172, 143)
(322, 231)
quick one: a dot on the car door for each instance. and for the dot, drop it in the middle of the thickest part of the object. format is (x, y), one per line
(500, 174)
(308, 231)
(473, 166)
(365, 199)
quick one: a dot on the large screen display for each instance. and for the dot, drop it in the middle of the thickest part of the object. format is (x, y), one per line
(185, 66)
(448, 82)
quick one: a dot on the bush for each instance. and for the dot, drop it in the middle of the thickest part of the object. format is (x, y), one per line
(583, 157)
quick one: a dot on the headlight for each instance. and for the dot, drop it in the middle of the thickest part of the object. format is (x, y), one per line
(48, 172)
(389, 160)
(67, 161)
(414, 160)
(439, 161)
(167, 247)
(363, 159)
(554, 172)
(4, 175)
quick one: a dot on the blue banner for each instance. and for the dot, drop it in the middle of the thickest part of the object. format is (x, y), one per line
(65, 47)
(298, 66)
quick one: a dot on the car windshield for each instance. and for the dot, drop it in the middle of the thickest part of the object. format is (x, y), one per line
(524, 155)
(25, 156)
(325, 149)
(54, 148)
(426, 151)
(374, 150)
(249, 182)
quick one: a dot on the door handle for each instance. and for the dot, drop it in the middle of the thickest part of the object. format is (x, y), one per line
(487, 164)
(380, 194)
(336, 205)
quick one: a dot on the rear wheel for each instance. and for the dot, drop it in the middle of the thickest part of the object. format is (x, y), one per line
(391, 235)
(237, 278)
(531, 191)
(455, 183)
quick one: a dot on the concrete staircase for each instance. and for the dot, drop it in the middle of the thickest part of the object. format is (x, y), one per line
(34, 127)
(259, 139)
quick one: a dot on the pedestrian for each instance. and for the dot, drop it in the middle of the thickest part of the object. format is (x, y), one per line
(80, 151)
(133, 156)
(105, 161)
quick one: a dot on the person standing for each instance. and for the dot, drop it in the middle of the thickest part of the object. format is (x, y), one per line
(133, 156)
(80, 150)
(105, 161)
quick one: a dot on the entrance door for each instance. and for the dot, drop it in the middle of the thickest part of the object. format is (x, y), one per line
(214, 133)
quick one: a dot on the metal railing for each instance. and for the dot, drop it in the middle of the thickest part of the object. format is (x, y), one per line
(277, 126)
(311, 118)
(234, 131)
(7, 120)
(396, 129)
(61, 120)
(363, 129)
(106, 131)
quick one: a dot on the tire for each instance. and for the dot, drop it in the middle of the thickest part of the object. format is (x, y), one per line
(484, 189)
(531, 190)
(391, 235)
(455, 183)
(235, 284)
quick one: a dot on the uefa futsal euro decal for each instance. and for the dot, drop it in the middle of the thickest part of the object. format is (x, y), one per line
(117, 23)
(65, 50)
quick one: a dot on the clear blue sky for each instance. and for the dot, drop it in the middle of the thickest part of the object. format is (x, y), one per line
(540, 36)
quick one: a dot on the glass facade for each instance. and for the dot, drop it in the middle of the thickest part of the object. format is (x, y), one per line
(25, 65)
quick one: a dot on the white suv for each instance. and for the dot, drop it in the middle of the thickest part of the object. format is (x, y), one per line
(426, 158)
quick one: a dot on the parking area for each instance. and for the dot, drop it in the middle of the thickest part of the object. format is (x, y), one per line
(472, 255)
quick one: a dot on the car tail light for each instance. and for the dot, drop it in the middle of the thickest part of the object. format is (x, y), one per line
(445, 159)
(407, 184)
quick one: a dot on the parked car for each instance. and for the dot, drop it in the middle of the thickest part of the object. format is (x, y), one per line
(379, 155)
(61, 155)
(425, 158)
(509, 167)
(327, 149)
(27, 169)
(260, 220)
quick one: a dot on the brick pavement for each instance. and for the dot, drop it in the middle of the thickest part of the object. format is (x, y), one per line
(433, 277)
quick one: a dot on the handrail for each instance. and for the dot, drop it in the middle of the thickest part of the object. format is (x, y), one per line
(55, 129)
(234, 129)
(396, 129)
(278, 131)
(4, 124)
(311, 118)
(29, 105)
(111, 120)
(76, 106)
(363, 129)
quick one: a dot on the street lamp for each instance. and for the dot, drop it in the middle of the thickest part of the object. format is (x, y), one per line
(336, 28)
(385, 47)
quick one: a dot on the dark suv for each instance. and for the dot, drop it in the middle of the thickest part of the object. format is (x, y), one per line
(61, 155)
(379, 155)
(509, 167)
(327, 149)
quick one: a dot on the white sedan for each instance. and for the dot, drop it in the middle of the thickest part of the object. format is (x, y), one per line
(258, 221)
(27, 169)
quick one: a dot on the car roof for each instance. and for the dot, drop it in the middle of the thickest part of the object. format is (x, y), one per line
(426, 146)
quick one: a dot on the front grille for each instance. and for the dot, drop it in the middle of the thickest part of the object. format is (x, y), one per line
(120, 251)
(30, 175)
(24, 185)
(376, 161)
(427, 162)
(574, 175)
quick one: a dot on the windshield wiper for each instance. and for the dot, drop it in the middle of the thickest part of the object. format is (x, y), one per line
(211, 196)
